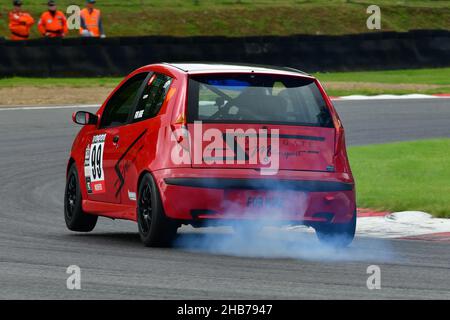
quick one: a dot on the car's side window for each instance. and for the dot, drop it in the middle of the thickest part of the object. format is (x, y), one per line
(122, 102)
(153, 97)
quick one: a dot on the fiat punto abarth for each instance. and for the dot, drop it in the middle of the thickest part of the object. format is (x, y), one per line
(201, 143)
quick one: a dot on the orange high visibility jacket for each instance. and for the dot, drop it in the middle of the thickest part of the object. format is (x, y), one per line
(20, 24)
(53, 25)
(91, 21)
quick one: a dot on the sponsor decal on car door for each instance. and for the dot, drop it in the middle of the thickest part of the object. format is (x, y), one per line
(93, 165)
(101, 155)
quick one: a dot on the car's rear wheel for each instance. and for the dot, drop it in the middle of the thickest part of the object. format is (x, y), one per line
(155, 228)
(338, 235)
(76, 219)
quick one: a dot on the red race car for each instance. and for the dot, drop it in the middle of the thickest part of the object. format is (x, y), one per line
(197, 143)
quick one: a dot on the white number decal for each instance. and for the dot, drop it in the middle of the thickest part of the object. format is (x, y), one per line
(95, 176)
(139, 114)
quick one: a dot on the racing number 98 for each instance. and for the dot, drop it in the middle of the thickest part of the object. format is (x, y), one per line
(96, 162)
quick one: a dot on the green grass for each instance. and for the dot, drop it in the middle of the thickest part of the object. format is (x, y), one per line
(392, 81)
(403, 176)
(59, 82)
(439, 76)
(253, 17)
(373, 92)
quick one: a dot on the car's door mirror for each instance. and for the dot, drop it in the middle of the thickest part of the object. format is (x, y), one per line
(84, 118)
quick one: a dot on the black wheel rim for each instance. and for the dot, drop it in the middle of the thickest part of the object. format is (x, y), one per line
(145, 209)
(71, 195)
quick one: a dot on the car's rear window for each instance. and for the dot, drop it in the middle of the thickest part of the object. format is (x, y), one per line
(256, 98)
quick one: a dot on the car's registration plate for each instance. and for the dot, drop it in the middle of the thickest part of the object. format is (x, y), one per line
(256, 199)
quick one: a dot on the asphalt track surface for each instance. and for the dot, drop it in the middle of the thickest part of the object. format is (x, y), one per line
(36, 248)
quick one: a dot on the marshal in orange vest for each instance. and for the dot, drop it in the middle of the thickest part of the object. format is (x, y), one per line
(91, 22)
(20, 24)
(53, 24)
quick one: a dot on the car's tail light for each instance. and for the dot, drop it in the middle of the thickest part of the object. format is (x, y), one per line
(340, 154)
(180, 132)
(340, 159)
(339, 136)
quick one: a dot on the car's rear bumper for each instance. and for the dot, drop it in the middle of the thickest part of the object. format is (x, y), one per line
(235, 194)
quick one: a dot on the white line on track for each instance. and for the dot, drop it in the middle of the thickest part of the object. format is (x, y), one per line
(389, 97)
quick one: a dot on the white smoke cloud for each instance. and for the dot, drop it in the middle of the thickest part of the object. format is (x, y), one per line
(258, 240)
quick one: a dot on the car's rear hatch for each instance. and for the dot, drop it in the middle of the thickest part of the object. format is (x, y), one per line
(299, 148)
(259, 121)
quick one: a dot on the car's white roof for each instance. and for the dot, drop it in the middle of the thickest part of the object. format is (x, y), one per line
(199, 67)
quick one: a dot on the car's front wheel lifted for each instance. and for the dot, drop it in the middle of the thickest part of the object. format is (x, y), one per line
(155, 228)
(76, 219)
(339, 235)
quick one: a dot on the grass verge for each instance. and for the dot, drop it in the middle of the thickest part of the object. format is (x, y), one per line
(59, 82)
(437, 76)
(251, 17)
(425, 81)
(404, 176)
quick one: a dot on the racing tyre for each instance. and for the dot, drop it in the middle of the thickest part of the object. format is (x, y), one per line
(339, 235)
(76, 219)
(155, 229)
